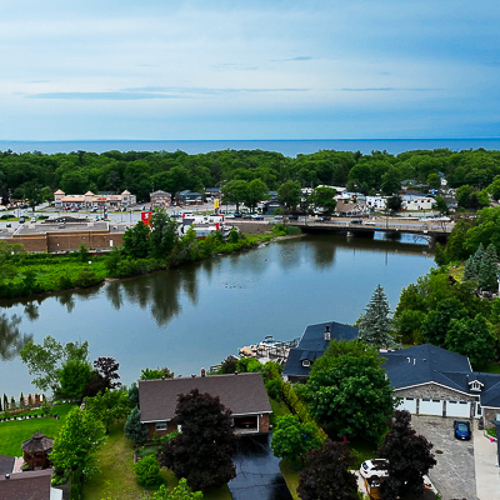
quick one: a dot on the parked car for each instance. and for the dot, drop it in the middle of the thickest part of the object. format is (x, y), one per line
(21, 220)
(369, 223)
(247, 217)
(33, 220)
(377, 467)
(293, 217)
(229, 216)
(324, 218)
(356, 221)
(238, 215)
(257, 217)
(462, 429)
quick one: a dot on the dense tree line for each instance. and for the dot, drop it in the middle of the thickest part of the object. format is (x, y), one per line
(36, 175)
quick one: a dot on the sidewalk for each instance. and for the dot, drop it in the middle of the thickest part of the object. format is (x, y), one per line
(487, 472)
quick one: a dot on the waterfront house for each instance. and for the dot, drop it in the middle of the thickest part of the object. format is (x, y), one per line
(160, 198)
(243, 394)
(313, 344)
(433, 381)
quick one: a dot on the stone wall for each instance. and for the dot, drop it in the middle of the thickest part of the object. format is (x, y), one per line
(250, 227)
(264, 422)
(433, 391)
(490, 415)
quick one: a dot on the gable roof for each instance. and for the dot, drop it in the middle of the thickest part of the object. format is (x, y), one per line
(243, 394)
(313, 345)
(427, 363)
(33, 485)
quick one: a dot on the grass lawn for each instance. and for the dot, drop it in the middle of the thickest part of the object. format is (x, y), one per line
(457, 272)
(14, 432)
(116, 479)
(291, 473)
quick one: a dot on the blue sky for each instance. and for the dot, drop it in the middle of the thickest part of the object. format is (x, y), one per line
(260, 69)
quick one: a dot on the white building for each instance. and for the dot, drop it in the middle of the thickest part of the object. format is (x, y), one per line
(411, 202)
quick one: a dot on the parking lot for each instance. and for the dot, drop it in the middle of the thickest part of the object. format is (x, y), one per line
(454, 475)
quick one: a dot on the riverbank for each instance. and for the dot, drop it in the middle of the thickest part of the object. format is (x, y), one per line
(38, 275)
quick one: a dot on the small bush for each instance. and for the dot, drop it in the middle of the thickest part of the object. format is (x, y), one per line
(148, 471)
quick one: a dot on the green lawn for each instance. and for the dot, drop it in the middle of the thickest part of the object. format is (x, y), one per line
(14, 432)
(116, 479)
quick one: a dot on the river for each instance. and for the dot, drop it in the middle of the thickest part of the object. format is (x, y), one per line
(194, 316)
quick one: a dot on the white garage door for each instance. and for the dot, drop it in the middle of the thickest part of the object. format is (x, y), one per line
(431, 407)
(409, 404)
(458, 409)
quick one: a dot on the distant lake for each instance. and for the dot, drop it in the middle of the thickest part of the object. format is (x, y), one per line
(196, 315)
(288, 148)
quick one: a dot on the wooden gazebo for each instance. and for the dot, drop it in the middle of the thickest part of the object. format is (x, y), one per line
(36, 451)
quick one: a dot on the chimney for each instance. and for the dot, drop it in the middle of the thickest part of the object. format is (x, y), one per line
(328, 335)
(203, 372)
(193, 376)
(236, 372)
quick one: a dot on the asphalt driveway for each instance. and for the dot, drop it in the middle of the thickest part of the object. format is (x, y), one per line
(454, 475)
(258, 475)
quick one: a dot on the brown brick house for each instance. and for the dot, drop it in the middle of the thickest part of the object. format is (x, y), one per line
(244, 394)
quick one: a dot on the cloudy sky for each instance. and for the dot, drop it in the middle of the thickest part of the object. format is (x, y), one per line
(259, 69)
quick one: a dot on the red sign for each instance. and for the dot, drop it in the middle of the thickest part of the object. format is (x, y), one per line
(146, 218)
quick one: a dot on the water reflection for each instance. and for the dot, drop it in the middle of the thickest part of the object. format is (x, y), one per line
(32, 311)
(290, 256)
(11, 338)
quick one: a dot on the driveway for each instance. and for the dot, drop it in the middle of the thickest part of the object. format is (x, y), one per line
(258, 475)
(454, 474)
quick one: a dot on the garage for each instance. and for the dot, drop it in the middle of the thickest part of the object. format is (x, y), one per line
(458, 409)
(408, 404)
(431, 407)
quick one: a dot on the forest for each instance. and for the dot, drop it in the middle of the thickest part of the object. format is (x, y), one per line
(37, 175)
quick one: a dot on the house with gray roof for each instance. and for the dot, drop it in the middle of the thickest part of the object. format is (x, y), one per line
(243, 394)
(313, 344)
(433, 381)
(34, 485)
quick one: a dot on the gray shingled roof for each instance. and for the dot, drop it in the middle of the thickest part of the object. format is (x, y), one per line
(34, 485)
(313, 345)
(6, 464)
(244, 393)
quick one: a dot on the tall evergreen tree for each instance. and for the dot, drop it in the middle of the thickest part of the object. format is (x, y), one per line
(470, 270)
(488, 269)
(477, 258)
(134, 430)
(375, 324)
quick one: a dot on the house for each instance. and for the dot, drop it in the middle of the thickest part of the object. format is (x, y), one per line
(433, 381)
(313, 344)
(269, 207)
(34, 485)
(347, 209)
(243, 394)
(213, 192)
(417, 202)
(160, 198)
(188, 197)
(89, 199)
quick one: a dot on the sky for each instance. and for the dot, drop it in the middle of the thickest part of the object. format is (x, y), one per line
(259, 69)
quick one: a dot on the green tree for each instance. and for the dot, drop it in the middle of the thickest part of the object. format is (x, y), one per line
(441, 205)
(134, 430)
(83, 253)
(45, 360)
(375, 323)
(434, 181)
(437, 322)
(257, 191)
(147, 471)
(327, 476)
(181, 492)
(463, 196)
(409, 458)
(234, 192)
(73, 376)
(488, 270)
(109, 407)
(151, 374)
(391, 182)
(77, 442)
(472, 338)
(33, 193)
(202, 451)
(348, 390)
(163, 234)
(292, 439)
(324, 198)
(393, 203)
(136, 241)
(290, 194)
(8, 255)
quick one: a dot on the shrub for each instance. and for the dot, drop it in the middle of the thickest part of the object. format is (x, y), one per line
(148, 471)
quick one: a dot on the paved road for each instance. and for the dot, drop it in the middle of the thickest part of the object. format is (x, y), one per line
(258, 473)
(454, 475)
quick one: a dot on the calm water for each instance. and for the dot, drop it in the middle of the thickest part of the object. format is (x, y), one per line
(288, 148)
(195, 316)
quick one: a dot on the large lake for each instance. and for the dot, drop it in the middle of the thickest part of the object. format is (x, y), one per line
(194, 316)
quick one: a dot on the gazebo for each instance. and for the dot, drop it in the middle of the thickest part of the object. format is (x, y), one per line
(36, 451)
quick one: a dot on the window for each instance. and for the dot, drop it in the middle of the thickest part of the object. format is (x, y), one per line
(475, 386)
(306, 363)
(161, 426)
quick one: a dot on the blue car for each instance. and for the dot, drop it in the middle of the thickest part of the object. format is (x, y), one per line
(462, 429)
